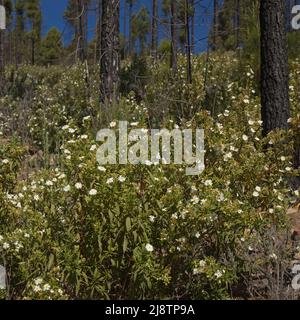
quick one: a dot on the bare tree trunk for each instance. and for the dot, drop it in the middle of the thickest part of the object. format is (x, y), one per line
(110, 50)
(174, 36)
(188, 42)
(154, 35)
(215, 25)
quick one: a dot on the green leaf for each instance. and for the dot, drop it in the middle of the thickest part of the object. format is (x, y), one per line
(125, 244)
(128, 224)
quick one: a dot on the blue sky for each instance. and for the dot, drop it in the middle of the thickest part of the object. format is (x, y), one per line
(53, 16)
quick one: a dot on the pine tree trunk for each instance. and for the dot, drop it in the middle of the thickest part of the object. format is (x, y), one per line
(174, 36)
(82, 18)
(215, 25)
(274, 66)
(154, 35)
(188, 42)
(98, 32)
(193, 26)
(110, 50)
(130, 29)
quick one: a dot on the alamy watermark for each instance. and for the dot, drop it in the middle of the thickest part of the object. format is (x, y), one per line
(152, 147)
(296, 17)
(2, 278)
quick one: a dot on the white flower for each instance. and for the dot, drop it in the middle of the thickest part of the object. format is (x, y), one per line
(151, 218)
(195, 200)
(122, 179)
(93, 192)
(283, 158)
(113, 124)
(72, 130)
(288, 169)
(149, 247)
(218, 274)
(78, 185)
(102, 169)
(5, 161)
(208, 183)
(37, 289)
(93, 147)
(196, 271)
(66, 127)
(110, 181)
(255, 194)
(228, 156)
(36, 197)
(258, 189)
(67, 188)
(273, 256)
(297, 193)
(6, 246)
(46, 287)
(84, 136)
(49, 183)
(251, 122)
(202, 263)
(197, 235)
(245, 138)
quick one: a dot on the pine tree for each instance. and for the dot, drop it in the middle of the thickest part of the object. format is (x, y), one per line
(34, 15)
(141, 27)
(110, 50)
(51, 48)
(131, 4)
(20, 30)
(76, 15)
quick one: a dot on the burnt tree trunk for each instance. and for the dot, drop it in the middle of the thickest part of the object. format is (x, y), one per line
(110, 50)
(174, 36)
(154, 34)
(275, 73)
(274, 66)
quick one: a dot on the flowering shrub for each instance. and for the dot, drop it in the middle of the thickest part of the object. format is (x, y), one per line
(77, 230)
